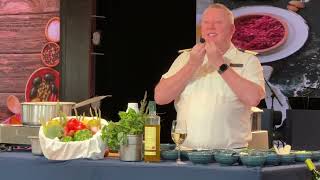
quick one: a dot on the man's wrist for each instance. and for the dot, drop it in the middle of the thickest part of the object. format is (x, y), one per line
(219, 62)
(192, 66)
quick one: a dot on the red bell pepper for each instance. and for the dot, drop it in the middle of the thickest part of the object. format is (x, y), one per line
(72, 126)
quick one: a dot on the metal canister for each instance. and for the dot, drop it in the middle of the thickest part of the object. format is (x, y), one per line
(132, 149)
(35, 145)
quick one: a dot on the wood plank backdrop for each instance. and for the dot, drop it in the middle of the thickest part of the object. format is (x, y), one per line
(22, 37)
(28, 6)
(15, 70)
(23, 33)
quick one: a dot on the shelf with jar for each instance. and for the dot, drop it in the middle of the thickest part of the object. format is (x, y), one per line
(98, 24)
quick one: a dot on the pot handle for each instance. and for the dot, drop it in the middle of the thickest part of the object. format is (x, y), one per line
(90, 101)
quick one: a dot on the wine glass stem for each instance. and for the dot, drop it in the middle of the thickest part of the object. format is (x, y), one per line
(179, 149)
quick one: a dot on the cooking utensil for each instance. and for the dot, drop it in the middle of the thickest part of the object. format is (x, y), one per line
(13, 104)
(34, 112)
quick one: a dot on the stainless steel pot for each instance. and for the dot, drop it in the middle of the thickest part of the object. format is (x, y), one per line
(33, 112)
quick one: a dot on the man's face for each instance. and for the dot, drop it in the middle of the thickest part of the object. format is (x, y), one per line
(216, 26)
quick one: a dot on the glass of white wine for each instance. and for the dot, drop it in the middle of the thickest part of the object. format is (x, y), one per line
(178, 135)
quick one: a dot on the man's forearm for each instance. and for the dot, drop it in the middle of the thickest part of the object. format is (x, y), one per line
(248, 92)
(170, 88)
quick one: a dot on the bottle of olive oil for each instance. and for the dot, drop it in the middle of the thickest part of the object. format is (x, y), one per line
(312, 168)
(152, 135)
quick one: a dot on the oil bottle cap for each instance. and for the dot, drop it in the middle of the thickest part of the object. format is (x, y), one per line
(152, 107)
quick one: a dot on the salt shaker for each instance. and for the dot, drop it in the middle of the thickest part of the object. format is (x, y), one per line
(133, 106)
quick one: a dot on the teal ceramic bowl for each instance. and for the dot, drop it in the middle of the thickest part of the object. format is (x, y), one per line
(214, 152)
(200, 157)
(184, 154)
(272, 159)
(253, 159)
(288, 158)
(164, 147)
(315, 155)
(226, 157)
(169, 154)
(301, 157)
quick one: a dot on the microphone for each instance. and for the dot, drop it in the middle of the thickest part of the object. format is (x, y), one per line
(202, 40)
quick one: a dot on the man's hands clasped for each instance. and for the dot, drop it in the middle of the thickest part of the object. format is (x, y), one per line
(197, 55)
(214, 54)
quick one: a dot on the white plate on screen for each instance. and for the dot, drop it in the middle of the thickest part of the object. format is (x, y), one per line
(298, 30)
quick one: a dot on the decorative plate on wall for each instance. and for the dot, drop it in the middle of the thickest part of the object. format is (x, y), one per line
(53, 30)
(50, 54)
(43, 85)
(298, 30)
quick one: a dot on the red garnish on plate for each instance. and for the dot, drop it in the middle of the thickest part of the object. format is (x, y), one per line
(259, 32)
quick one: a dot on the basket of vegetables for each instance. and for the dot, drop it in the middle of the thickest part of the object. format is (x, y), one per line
(72, 137)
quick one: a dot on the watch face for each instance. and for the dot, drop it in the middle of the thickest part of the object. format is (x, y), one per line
(223, 68)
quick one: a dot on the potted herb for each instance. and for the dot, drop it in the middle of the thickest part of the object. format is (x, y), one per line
(126, 136)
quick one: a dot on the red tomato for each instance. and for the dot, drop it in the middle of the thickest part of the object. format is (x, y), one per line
(72, 126)
(73, 123)
(80, 126)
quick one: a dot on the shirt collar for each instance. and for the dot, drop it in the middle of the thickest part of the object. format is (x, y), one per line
(230, 54)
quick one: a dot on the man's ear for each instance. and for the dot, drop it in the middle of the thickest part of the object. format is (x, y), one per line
(233, 28)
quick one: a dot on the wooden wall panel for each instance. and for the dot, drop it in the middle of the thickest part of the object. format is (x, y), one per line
(4, 112)
(28, 6)
(23, 33)
(22, 37)
(15, 70)
(18, 65)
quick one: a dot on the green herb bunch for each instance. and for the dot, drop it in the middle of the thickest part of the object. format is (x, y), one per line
(130, 123)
